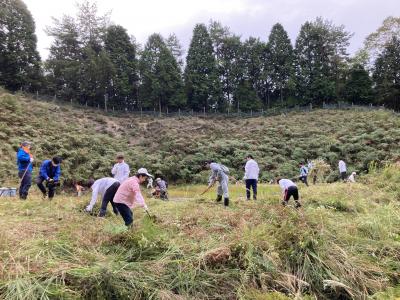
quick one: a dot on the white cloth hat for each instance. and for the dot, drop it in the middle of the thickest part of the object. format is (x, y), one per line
(144, 172)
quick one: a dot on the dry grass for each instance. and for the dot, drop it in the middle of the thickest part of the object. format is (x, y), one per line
(343, 244)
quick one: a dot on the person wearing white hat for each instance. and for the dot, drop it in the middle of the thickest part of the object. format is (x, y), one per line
(352, 177)
(161, 185)
(129, 196)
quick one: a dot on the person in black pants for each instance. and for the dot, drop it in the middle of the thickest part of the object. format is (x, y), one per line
(24, 161)
(50, 172)
(107, 187)
(251, 176)
(289, 189)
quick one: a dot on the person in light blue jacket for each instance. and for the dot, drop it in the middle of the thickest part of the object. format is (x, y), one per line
(50, 172)
(24, 162)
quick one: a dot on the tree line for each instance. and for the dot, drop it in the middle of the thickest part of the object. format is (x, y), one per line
(95, 62)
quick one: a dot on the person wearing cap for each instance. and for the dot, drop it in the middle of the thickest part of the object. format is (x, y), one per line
(50, 172)
(251, 172)
(218, 173)
(120, 171)
(129, 196)
(289, 189)
(107, 187)
(303, 174)
(161, 187)
(24, 162)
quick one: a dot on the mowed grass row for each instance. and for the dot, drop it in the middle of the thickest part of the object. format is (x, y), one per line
(343, 244)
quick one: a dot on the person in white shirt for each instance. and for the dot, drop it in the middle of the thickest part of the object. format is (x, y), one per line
(289, 189)
(303, 174)
(120, 171)
(352, 177)
(251, 172)
(150, 183)
(342, 170)
(107, 187)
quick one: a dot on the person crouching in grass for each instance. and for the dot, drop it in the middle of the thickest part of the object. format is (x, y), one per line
(129, 195)
(289, 189)
(107, 187)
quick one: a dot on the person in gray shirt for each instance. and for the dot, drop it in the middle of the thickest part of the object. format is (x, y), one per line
(219, 173)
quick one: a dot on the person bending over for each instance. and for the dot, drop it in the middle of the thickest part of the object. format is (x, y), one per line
(129, 196)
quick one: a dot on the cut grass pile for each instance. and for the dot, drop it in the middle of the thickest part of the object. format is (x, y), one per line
(343, 244)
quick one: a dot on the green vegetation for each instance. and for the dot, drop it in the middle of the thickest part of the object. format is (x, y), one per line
(343, 244)
(176, 147)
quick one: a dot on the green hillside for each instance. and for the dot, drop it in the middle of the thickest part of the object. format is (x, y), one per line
(344, 243)
(176, 147)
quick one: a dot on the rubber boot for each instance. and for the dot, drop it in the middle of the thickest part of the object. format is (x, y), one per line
(219, 198)
(297, 204)
(226, 202)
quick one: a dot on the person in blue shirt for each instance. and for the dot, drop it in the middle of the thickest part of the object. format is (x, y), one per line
(50, 172)
(24, 162)
(303, 174)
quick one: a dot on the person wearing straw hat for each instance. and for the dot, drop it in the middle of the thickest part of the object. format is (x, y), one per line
(129, 196)
(24, 162)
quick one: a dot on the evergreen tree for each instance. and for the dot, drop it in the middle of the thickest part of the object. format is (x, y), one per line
(19, 59)
(201, 78)
(98, 71)
(387, 74)
(122, 53)
(320, 54)
(175, 47)
(245, 97)
(161, 81)
(64, 59)
(358, 87)
(280, 58)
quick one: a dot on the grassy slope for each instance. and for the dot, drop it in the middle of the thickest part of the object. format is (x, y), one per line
(344, 243)
(89, 140)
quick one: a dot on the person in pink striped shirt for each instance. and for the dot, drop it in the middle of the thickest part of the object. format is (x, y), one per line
(129, 196)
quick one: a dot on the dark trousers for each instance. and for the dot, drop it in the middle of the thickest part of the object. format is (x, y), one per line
(26, 182)
(125, 213)
(343, 175)
(291, 191)
(108, 197)
(304, 180)
(42, 188)
(251, 183)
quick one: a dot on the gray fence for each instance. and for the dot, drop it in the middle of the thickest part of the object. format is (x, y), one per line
(210, 113)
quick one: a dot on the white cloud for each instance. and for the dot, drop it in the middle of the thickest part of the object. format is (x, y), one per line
(245, 17)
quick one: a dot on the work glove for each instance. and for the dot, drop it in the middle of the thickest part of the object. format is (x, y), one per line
(145, 208)
(50, 180)
(88, 208)
(31, 160)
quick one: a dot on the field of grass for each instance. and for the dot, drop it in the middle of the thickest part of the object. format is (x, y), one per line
(176, 148)
(343, 244)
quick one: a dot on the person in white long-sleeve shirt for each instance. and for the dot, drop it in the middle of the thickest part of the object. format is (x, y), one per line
(342, 170)
(251, 172)
(107, 187)
(289, 189)
(120, 171)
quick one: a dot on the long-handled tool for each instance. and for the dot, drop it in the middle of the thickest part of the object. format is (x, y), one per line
(26, 170)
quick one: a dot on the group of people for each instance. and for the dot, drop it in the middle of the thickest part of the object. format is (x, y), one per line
(123, 192)
(49, 173)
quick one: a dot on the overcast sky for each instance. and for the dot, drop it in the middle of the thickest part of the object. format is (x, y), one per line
(245, 17)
